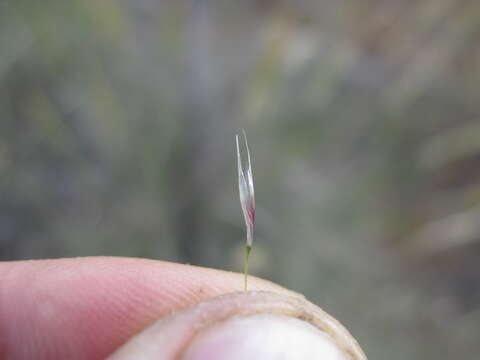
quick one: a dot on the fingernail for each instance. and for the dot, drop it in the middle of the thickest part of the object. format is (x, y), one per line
(245, 325)
(265, 336)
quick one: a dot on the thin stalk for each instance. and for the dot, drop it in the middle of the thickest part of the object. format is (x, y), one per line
(248, 248)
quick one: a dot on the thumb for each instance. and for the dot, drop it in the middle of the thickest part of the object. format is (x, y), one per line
(243, 326)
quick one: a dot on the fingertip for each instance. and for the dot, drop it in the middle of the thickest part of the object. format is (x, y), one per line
(244, 325)
(86, 307)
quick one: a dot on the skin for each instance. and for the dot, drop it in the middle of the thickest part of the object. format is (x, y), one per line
(178, 334)
(85, 308)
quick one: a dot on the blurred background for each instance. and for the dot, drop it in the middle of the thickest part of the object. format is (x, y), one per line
(117, 123)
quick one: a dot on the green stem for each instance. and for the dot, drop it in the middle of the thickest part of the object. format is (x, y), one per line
(248, 248)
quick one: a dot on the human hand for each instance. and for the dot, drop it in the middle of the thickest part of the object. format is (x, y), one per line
(101, 307)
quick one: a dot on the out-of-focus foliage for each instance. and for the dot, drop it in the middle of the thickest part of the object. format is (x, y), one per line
(116, 138)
